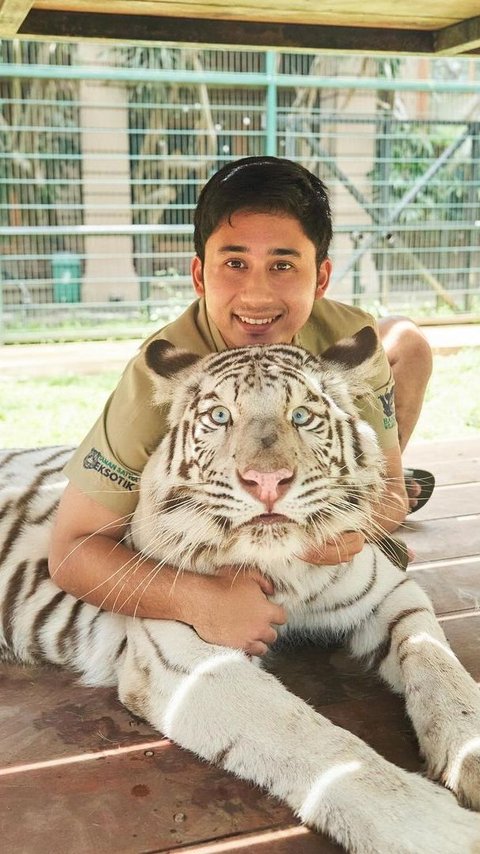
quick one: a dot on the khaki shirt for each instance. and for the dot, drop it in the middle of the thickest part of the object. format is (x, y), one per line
(108, 463)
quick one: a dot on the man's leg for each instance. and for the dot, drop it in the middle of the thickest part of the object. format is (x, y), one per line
(410, 358)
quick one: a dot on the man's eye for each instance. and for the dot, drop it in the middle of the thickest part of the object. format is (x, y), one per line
(282, 265)
(235, 263)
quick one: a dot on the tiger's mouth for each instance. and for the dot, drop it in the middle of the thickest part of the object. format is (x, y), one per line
(269, 519)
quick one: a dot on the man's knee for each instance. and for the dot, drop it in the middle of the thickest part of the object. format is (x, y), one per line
(406, 344)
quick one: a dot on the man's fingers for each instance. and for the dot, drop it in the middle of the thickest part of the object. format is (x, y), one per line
(336, 551)
(265, 584)
(257, 648)
(270, 636)
(279, 616)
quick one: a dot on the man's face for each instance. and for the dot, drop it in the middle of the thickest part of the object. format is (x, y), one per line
(260, 278)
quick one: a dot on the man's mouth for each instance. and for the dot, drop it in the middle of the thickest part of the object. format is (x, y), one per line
(256, 321)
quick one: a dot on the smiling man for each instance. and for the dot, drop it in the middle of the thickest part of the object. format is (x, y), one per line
(260, 272)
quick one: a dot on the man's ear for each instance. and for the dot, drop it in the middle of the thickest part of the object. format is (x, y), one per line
(196, 270)
(323, 278)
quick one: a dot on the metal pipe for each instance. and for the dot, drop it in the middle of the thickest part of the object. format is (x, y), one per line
(222, 78)
(404, 201)
(271, 103)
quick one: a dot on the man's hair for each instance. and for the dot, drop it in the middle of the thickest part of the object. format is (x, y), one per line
(270, 185)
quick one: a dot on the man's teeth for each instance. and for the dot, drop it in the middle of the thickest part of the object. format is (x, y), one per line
(256, 321)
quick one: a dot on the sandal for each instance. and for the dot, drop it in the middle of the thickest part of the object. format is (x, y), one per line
(427, 482)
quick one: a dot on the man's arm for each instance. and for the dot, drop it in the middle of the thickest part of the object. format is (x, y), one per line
(89, 560)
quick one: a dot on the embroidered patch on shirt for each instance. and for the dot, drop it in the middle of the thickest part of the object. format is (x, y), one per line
(388, 406)
(115, 473)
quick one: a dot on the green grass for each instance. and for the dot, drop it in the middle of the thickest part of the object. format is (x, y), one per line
(452, 404)
(61, 409)
(51, 410)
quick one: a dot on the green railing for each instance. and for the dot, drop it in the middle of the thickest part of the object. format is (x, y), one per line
(103, 152)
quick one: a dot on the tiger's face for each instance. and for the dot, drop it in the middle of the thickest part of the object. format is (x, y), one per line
(265, 456)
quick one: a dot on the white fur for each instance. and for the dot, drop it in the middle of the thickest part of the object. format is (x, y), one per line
(221, 705)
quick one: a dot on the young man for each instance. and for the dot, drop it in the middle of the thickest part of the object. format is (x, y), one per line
(261, 270)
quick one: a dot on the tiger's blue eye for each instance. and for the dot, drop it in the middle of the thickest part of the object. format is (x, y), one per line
(301, 416)
(220, 415)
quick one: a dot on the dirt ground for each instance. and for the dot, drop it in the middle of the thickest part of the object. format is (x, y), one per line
(91, 357)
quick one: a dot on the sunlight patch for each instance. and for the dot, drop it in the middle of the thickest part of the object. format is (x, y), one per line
(205, 667)
(470, 747)
(308, 810)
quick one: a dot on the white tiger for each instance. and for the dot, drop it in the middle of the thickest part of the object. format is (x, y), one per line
(265, 455)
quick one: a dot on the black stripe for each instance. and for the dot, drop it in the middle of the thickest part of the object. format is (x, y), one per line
(22, 511)
(220, 758)
(5, 509)
(70, 629)
(171, 447)
(40, 574)
(40, 621)
(173, 668)
(408, 612)
(17, 452)
(58, 451)
(384, 648)
(10, 600)
(39, 520)
(121, 648)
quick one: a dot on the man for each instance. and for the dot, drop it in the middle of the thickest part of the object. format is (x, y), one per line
(261, 270)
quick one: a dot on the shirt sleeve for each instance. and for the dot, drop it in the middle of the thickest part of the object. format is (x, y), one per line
(108, 463)
(378, 408)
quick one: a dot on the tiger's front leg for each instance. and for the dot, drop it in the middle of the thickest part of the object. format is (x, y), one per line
(404, 640)
(217, 703)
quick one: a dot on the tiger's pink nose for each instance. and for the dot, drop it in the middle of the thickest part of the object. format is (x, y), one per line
(268, 486)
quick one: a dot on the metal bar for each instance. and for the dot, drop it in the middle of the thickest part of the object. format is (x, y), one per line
(377, 230)
(474, 190)
(405, 200)
(99, 230)
(271, 103)
(230, 78)
(113, 230)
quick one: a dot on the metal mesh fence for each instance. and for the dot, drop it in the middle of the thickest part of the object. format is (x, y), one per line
(103, 152)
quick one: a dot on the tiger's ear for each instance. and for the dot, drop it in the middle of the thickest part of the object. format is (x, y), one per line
(166, 361)
(354, 351)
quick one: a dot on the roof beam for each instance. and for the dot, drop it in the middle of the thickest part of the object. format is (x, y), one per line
(12, 15)
(156, 28)
(462, 38)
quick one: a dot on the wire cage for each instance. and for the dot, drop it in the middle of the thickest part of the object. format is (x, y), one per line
(103, 152)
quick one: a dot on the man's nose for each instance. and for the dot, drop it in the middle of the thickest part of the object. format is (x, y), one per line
(257, 287)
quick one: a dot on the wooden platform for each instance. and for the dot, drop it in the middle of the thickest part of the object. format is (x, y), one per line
(79, 775)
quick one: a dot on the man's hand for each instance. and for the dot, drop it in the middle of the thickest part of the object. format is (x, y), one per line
(234, 611)
(340, 550)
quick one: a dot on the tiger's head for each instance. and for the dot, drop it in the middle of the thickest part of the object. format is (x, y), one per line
(265, 455)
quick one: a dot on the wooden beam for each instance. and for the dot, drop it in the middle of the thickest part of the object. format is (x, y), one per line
(462, 38)
(155, 28)
(12, 15)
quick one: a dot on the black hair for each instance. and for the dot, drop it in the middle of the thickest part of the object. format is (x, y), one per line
(265, 185)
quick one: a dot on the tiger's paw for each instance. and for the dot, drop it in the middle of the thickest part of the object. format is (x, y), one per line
(392, 811)
(452, 753)
(463, 778)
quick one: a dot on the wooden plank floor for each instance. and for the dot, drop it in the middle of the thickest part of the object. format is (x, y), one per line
(78, 774)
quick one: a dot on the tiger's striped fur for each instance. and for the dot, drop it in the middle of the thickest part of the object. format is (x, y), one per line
(237, 481)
